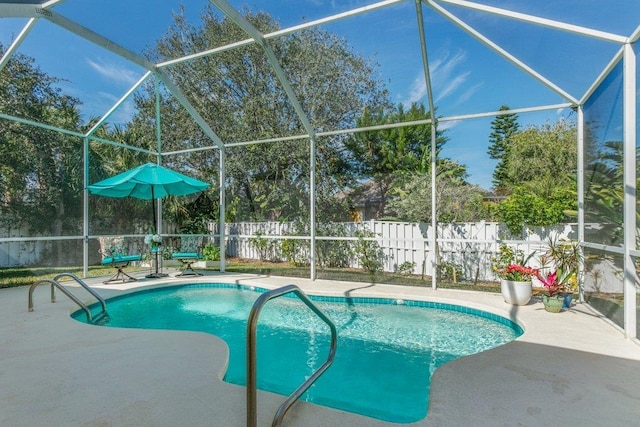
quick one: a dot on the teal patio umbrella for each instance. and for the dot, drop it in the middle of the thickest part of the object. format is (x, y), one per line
(148, 182)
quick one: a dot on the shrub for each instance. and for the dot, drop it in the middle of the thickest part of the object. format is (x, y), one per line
(211, 252)
(368, 252)
(406, 268)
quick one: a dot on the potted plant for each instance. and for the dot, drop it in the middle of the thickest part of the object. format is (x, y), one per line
(563, 257)
(515, 276)
(552, 296)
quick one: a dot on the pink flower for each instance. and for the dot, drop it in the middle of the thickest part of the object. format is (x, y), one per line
(550, 282)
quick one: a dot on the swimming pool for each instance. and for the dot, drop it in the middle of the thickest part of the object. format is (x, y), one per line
(387, 349)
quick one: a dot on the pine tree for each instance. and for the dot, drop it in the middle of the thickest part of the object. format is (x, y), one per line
(503, 127)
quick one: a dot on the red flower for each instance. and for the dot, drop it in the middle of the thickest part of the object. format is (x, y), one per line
(518, 272)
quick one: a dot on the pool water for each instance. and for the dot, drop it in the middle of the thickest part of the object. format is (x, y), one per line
(387, 349)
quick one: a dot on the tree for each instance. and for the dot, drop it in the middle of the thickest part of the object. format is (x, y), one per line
(239, 95)
(524, 207)
(458, 201)
(41, 178)
(503, 128)
(541, 162)
(386, 156)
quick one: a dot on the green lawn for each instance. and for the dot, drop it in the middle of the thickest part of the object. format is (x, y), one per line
(23, 276)
(12, 277)
(351, 275)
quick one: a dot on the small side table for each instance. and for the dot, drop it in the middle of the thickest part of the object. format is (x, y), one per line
(155, 254)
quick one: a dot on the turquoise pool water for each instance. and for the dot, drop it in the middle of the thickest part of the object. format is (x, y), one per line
(387, 349)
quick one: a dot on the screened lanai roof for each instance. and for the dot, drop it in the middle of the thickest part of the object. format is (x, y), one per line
(477, 56)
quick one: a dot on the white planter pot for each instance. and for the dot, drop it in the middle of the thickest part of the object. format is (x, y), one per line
(206, 264)
(516, 293)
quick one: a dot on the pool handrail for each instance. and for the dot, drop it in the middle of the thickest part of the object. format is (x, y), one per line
(55, 284)
(252, 413)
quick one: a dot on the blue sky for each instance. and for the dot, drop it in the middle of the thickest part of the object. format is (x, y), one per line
(467, 77)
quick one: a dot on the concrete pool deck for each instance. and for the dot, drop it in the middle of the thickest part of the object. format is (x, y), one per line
(567, 369)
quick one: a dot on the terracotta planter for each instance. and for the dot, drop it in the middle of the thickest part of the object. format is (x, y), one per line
(516, 293)
(553, 304)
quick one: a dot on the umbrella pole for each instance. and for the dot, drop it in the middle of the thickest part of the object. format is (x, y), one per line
(157, 253)
(153, 207)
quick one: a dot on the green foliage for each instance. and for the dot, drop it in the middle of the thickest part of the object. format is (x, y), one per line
(604, 191)
(507, 256)
(292, 251)
(296, 251)
(565, 256)
(263, 181)
(457, 200)
(268, 249)
(523, 208)
(333, 253)
(194, 217)
(385, 155)
(263, 245)
(368, 252)
(210, 252)
(406, 268)
(41, 178)
(541, 167)
(503, 128)
(543, 158)
(450, 271)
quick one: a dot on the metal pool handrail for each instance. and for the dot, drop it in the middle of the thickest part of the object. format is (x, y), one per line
(55, 284)
(252, 413)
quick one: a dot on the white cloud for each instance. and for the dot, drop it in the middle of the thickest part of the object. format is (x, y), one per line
(450, 86)
(448, 78)
(467, 94)
(114, 72)
(418, 90)
(449, 124)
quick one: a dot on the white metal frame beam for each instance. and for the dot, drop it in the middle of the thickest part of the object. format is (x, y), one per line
(102, 41)
(118, 103)
(434, 126)
(17, 42)
(256, 35)
(630, 190)
(503, 52)
(284, 31)
(549, 23)
(384, 126)
(23, 33)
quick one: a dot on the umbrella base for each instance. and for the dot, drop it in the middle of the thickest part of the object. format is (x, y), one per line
(156, 275)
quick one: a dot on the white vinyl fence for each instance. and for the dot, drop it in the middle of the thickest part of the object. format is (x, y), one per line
(467, 247)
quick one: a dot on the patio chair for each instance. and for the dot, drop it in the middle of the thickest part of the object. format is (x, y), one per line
(114, 253)
(190, 252)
